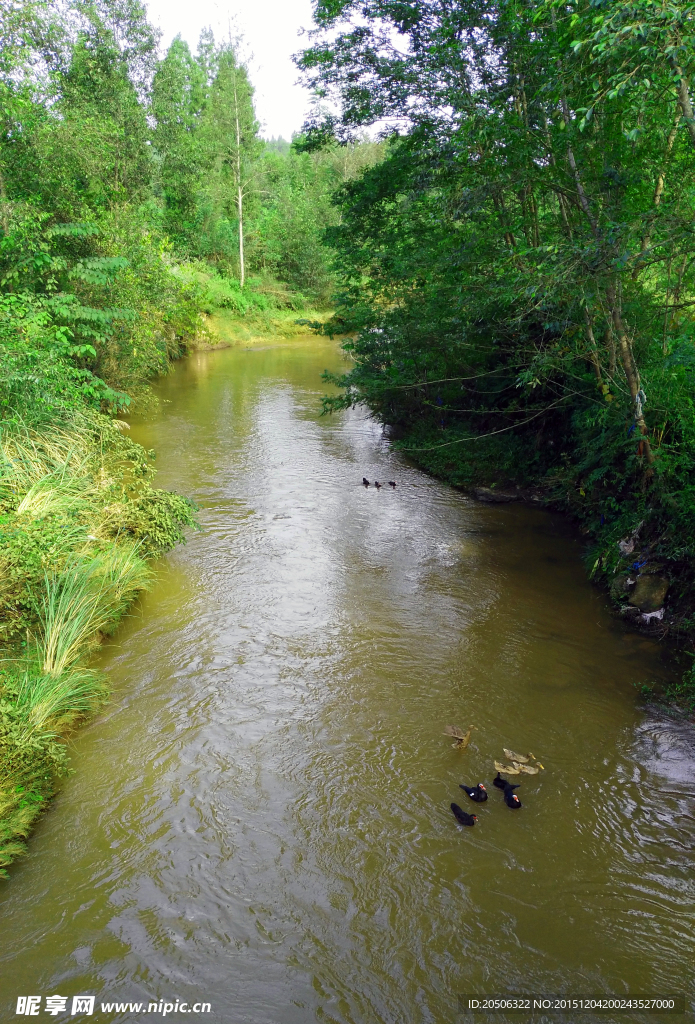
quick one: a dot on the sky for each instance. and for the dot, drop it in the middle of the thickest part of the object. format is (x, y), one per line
(270, 29)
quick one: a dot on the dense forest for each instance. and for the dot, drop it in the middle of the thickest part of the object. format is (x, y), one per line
(136, 197)
(519, 271)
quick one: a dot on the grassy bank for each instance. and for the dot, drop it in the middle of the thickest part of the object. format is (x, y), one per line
(265, 308)
(79, 519)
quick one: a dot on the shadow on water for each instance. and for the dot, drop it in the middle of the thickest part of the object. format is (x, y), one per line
(261, 818)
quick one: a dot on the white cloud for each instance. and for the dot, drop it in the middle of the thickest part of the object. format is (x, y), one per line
(270, 29)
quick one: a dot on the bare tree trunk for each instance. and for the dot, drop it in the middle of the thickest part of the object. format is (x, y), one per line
(240, 207)
(498, 203)
(630, 368)
(609, 343)
(583, 200)
(527, 197)
(562, 202)
(674, 299)
(624, 344)
(593, 348)
(685, 102)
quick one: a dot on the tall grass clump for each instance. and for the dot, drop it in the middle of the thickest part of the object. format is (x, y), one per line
(88, 597)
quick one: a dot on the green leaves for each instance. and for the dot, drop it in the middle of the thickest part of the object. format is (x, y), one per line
(99, 270)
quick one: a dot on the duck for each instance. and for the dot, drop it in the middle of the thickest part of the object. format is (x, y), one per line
(510, 797)
(377, 484)
(365, 482)
(521, 758)
(462, 817)
(477, 793)
(502, 783)
(392, 483)
(461, 739)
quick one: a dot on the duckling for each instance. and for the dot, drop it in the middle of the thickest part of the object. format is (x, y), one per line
(462, 740)
(510, 797)
(502, 783)
(477, 793)
(392, 483)
(365, 481)
(377, 485)
(462, 817)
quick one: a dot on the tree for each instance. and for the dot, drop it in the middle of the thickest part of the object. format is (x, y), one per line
(230, 137)
(179, 95)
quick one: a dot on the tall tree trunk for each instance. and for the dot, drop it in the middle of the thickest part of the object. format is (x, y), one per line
(624, 344)
(609, 345)
(630, 367)
(498, 203)
(593, 348)
(240, 208)
(684, 101)
(562, 201)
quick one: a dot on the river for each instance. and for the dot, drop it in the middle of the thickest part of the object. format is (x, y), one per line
(261, 817)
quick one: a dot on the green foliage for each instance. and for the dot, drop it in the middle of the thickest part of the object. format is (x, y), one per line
(50, 701)
(223, 190)
(30, 764)
(82, 488)
(262, 293)
(88, 596)
(682, 693)
(288, 236)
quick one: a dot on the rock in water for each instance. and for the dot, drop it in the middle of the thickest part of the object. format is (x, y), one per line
(649, 593)
(621, 584)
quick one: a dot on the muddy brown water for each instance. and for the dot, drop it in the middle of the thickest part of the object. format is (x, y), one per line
(261, 817)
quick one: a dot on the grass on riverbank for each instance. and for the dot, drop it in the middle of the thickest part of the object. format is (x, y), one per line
(79, 518)
(264, 308)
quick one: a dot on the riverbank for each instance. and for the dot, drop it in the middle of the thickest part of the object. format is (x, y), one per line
(79, 522)
(228, 329)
